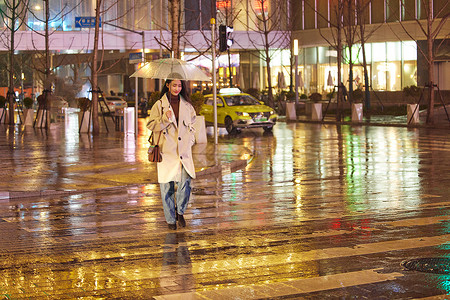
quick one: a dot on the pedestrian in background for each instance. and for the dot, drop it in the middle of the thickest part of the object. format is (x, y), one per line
(174, 116)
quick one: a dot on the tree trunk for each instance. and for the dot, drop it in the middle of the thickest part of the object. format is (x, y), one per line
(47, 80)
(267, 54)
(11, 67)
(430, 54)
(175, 28)
(350, 40)
(94, 70)
(363, 43)
(339, 61)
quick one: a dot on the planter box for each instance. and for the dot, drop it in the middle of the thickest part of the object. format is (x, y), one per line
(357, 112)
(28, 115)
(4, 117)
(84, 119)
(413, 113)
(315, 111)
(291, 113)
(200, 130)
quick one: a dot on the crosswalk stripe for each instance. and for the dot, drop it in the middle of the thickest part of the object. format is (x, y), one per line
(286, 258)
(293, 287)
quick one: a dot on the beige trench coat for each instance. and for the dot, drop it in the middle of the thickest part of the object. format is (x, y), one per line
(176, 140)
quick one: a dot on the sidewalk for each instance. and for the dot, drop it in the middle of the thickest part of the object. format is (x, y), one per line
(38, 162)
(441, 120)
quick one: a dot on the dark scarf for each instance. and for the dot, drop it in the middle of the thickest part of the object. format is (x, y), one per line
(175, 103)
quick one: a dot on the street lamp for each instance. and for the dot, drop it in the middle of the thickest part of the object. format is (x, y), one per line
(296, 70)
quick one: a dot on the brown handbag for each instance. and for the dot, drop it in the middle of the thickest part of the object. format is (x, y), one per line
(154, 153)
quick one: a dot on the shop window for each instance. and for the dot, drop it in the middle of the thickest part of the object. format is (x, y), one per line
(378, 52)
(408, 10)
(409, 50)
(377, 11)
(441, 8)
(409, 73)
(310, 14)
(392, 10)
(310, 56)
(322, 15)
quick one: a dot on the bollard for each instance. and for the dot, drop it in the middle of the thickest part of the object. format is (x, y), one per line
(413, 113)
(357, 112)
(128, 120)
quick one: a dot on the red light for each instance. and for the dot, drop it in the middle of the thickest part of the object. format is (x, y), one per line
(224, 4)
(261, 5)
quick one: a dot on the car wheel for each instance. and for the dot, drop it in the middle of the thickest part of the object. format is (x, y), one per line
(268, 128)
(230, 126)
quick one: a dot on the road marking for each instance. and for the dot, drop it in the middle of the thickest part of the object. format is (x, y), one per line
(280, 259)
(293, 287)
(418, 221)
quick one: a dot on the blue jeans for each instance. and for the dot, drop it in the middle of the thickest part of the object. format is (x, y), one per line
(182, 196)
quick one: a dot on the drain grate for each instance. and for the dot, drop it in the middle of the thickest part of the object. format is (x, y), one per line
(437, 265)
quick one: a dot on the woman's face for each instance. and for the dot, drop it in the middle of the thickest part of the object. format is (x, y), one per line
(174, 87)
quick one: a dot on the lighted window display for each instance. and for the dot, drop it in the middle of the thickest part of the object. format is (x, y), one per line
(327, 78)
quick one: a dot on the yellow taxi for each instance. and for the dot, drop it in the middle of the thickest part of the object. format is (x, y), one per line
(237, 110)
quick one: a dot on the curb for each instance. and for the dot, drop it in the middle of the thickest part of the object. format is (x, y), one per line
(435, 126)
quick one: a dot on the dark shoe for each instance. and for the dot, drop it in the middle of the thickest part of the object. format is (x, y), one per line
(181, 220)
(173, 226)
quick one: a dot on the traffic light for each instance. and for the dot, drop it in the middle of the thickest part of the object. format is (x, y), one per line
(225, 40)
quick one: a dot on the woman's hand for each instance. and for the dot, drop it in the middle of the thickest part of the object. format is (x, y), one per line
(169, 114)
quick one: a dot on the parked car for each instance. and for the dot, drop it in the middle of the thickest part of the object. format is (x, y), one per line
(237, 110)
(112, 103)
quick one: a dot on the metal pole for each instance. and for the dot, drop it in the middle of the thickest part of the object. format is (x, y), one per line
(136, 100)
(296, 70)
(136, 86)
(213, 53)
(296, 79)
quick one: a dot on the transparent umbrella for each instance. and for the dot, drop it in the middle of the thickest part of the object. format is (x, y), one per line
(171, 68)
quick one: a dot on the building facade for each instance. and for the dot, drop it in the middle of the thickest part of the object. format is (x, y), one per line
(261, 29)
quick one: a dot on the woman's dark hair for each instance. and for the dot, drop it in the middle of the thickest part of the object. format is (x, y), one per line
(183, 91)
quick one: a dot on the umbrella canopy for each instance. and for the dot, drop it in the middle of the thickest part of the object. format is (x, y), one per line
(280, 81)
(171, 68)
(330, 79)
(300, 78)
(256, 80)
(241, 80)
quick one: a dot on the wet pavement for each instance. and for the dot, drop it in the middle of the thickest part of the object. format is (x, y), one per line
(312, 211)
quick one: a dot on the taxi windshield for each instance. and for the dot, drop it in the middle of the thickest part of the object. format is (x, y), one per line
(240, 100)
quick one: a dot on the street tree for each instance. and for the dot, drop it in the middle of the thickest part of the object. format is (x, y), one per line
(431, 29)
(333, 36)
(96, 61)
(362, 14)
(349, 28)
(42, 63)
(268, 29)
(13, 17)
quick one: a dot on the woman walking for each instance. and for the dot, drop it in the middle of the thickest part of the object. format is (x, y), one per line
(174, 116)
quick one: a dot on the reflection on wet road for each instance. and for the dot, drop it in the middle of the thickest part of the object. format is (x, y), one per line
(321, 211)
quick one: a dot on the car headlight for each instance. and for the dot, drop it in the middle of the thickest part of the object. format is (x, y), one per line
(272, 112)
(243, 114)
